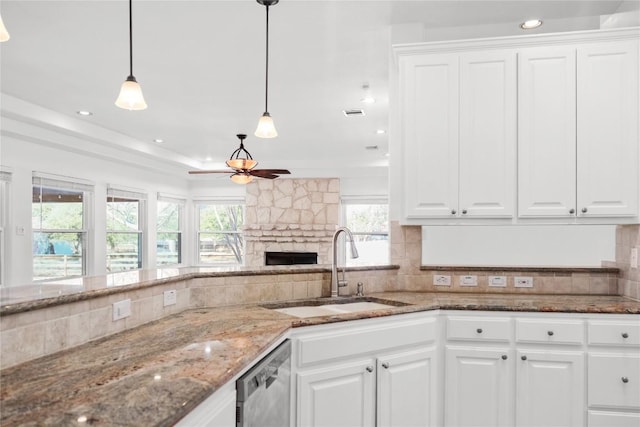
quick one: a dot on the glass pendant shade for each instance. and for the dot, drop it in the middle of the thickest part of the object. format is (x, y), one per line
(266, 128)
(246, 164)
(130, 97)
(4, 34)
(241, 178)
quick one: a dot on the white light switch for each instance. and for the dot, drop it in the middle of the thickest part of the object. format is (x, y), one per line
(468, 280)
(170, 297)
(441, 280)
(498, 281)
(633, 259)
(121, 309)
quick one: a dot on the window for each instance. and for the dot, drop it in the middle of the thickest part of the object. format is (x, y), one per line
(169, 230)
(125, 229)
(59, 212)
(368, 220)
(220, 238)
(5, 180)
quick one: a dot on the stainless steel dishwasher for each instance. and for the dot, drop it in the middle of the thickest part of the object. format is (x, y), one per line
(264, 392)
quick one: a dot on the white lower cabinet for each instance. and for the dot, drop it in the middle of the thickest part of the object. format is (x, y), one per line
(218, 410)
(368, 373)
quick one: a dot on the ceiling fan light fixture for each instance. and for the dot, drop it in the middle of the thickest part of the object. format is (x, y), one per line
(266, 128)
(4, 34)
(130, 97)
(241, 163)
(246, 164)
(241, 178)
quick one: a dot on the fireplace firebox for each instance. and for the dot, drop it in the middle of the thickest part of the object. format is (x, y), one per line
(290, 258)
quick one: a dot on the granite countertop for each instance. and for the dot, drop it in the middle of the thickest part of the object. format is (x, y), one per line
(155, 374)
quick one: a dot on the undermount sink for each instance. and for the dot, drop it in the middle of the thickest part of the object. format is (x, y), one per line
(332, 306)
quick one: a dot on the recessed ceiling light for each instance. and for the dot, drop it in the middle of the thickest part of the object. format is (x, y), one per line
(531, 24)
(84, 113)
(158, 140)
(208, 159)
(368, 99)
(381, 131)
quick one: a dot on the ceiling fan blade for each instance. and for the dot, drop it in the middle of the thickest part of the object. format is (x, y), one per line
(210, 171)
(276, 171)
(263, 174)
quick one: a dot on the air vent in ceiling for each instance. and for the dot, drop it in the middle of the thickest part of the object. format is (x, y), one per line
(353, 113)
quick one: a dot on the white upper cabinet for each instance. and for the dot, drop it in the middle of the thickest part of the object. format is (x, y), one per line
(536, 129)
(430, 116)
(608, 129)
(547, 132)
(459, 124)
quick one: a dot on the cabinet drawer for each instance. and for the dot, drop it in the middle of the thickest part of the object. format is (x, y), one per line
(614, 380)
(479, 328)
(613, 419)
(625, 333)
(557, 331)
(348, 341)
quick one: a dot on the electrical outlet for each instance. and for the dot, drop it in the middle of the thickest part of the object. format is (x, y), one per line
(523, 282)
(633, 259)
(121, 309)
(468, 280)
(170, 297)
(498, 281)
(441, 280)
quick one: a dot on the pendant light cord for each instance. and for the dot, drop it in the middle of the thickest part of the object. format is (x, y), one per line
(130, 41)
(266, 73)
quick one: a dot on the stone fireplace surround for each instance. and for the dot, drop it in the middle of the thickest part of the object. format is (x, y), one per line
(284, 215)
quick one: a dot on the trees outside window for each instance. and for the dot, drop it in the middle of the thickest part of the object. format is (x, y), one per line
(58, 218)
(220, 238)
(368, 220)
(169, 230)
(125, 228)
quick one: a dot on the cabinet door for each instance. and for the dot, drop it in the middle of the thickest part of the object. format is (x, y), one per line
(407, 389)
(608, 129)
(550, 388)
(429, 111)
(478, 387)
(546, 132)
(337, 395)
(488, 137)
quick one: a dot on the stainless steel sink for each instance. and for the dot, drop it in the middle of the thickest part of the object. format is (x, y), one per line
(332, 306)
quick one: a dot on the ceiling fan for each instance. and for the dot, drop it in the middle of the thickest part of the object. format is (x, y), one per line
(243, 167)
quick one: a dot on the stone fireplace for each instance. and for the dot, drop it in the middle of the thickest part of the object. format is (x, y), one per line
(290, 215)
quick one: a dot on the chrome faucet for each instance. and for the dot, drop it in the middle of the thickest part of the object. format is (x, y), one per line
(336, 284)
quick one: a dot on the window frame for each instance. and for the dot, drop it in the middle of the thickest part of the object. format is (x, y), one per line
(363, 200)
(5, 189)
(59, 182)
(134, 195)
(182, 203)
(198, 232)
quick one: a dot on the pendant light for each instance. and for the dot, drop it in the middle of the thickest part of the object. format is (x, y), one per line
(130, 97)
(266, 128)
(4, 34)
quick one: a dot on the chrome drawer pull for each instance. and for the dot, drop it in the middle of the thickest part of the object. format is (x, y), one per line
(504, 357)
(625, 335)
(479, 330)
(369, 368)
(385, 365)
(625, 380)
(524, 358)
(550, 333)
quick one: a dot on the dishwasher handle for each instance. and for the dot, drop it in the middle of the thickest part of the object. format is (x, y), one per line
(264, 372)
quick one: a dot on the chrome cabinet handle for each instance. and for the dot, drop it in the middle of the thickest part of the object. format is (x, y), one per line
(550, 333)
(385, 365)
(572, 211)
(625, 380)
(479, 330)
(584, 210)
(453, 211)
(625, 335)
(523, 357)
(464, 212)
(504, 357)
(369, 368)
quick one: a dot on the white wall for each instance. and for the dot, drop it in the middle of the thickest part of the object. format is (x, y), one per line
(540, 245)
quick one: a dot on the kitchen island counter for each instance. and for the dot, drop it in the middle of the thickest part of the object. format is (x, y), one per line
(156, 373)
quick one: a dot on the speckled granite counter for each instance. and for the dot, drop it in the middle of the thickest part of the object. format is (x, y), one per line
(156, 373)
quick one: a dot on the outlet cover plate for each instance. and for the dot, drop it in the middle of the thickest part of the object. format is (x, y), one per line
(468, 280)
(170, 297)
(523, 281)
(441, 280)
(121, 309)
(633, 259)
(498, 281)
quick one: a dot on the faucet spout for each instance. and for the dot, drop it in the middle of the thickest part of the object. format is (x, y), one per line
(335, 283)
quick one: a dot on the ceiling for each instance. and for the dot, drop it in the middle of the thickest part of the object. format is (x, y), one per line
(201, 68)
